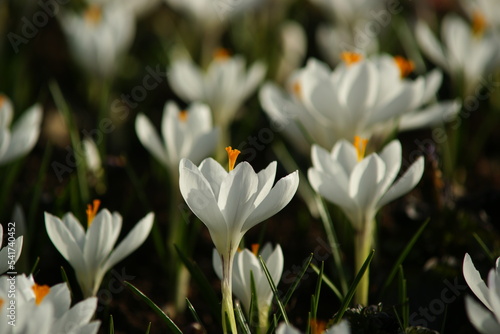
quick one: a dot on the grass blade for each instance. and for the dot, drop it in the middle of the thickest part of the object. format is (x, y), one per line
(205, 287)
(328, 282)
(240, 319)
(403, 255)
(195, 315)
(273, 288)
(111, 325)
(66, 280)
(353, 287)
(483, 246)
(314, 309)
(170, 324)
(149, 328)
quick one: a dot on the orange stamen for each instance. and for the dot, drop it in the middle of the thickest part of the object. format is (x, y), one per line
(405, 66)
(478, 23)
(255, 249)
(297, 89)
(360, 145)
(40, 292)
(2, 100)
(232, 155)
(92, 211)
(221, 54)
(350, 57)
(1, 303)
(93, 14)
(183, 115)
(317, 326)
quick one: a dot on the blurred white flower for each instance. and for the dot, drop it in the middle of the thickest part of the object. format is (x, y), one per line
(8, 259)
(360, 186)
(485, 320)
(213, 13)
(367, 97)
(293, 50)
(246, 263)
(185, 134)
(138, 7)
(482, 13)
(91, 252)
(22, 137)
(40, 309)
(347, 13)
(92, 157)
(229, 204)
(340, 328)
(99, 36)
(224, 86)
(465, 54)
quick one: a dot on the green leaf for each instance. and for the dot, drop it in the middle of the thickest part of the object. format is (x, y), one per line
(111, 325)
(148, 329)
(483, 246)
(240, 320)
(32, 271)
(273, 288)
(195, 314)
(314, 308)
(403, 255)
(253, 315)
(352, 288)
(170, 324)
(204, 285)
(328, 282)
(66, 280)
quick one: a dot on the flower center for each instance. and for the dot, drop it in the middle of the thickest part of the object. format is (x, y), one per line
(297, 89)
(360, 145)
(93, 14)
(232, 155)
(92, 211)
(40, 292)
(350, 58)
(1, 303)
(405, 66)
(183, 115)
(221, 54)
(478, 23)
(255, 249)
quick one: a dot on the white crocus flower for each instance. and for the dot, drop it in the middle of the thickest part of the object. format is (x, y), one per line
(340, 328)
(485, 319)
(40, 309)
(224, 86)
(138, 7)
(185, 134)
(229, 204)
(22, 137)
(12, 250)
(91, 252)
(99, 36)
(464, 53)
(360, 186)
(483, 13)
(246, 263)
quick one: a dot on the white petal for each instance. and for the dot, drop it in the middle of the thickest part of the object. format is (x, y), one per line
(430, 45)
(203, 146)
(214, 173)
(217, 263)
(405, 183)
(480, 317)
(475, 282)
(346, 155)
(334, 189)
(364, 182)
(75, 228)
(149, 138)
(98, 240)
(77, 316)
(266, 181)
(132, 241)
(64, 241)
(24, 134)
(286, 329)
(340, 328)
(276, 200)
(186, 80)
(434, 115)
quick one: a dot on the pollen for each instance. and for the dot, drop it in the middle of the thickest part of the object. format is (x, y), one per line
(360, 145)
(40, 292)
(255, 249)
(297, 89)
(405, 66)
(351, 57)
(183, 115)
(92, 211)
(221, 54)
(93, 14)
(232, 155)
(479, 23)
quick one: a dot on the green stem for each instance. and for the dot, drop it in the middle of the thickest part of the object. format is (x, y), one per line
(227, 293)
(363, 244)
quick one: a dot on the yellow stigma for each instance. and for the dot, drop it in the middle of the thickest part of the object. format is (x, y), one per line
(360, 145)
(232, 155)
(255, 249)
(297, 89)
(221, 54)
(40, 292)
(478, 23)
(405, 66)
(1, 303)
(183, 115)
(93, 14)
(92, 211)
(350, 58)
